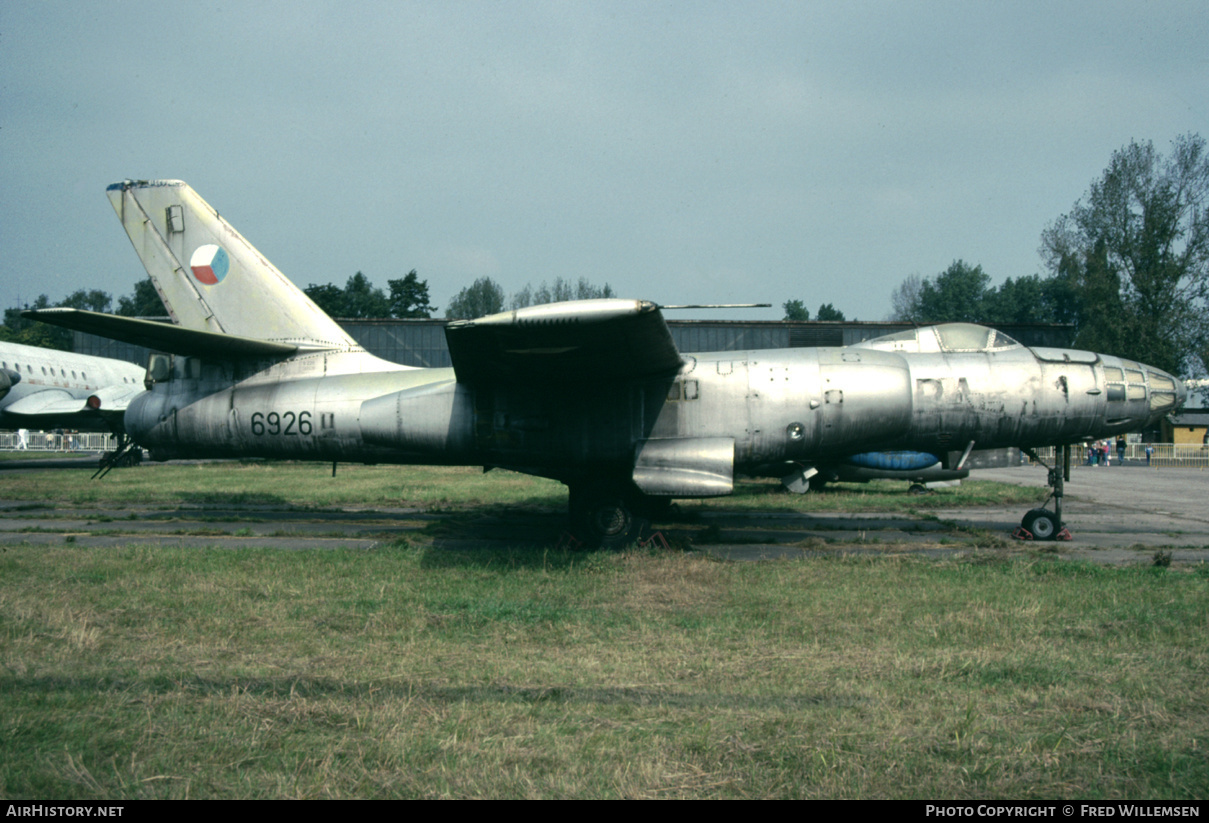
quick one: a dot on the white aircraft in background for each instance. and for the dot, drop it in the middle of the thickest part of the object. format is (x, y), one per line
(47, 389)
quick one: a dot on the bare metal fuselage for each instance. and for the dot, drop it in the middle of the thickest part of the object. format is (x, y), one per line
(754, 412)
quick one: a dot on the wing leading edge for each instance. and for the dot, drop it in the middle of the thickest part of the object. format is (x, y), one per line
(576, 341)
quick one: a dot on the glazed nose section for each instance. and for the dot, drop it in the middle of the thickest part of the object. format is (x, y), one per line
(1166, 393)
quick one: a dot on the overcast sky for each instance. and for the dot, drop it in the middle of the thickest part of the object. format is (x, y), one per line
(681, 152)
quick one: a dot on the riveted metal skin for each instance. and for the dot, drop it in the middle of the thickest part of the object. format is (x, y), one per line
(807, 406)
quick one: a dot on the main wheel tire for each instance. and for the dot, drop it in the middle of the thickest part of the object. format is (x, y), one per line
(606, 517)
(1041, 523)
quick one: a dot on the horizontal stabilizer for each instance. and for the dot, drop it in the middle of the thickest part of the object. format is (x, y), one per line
(581, 340)
(162, 336)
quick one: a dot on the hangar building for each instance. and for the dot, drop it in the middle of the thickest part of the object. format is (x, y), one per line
(422, 342)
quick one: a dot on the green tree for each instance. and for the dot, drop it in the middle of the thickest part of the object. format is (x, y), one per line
(481, 298)
(18, 329)
(795, 310)
(1136, 250)
(522, 298)
(409, 297)
(560, 291)
(957, 294)
(1093, 287)
(91, 300)
(904, 300)
(963, 293)
(1032, 299)
(361, 299)
(144, 302)
(588, 291)
(358, 298)
(328, 297)
(829, 312)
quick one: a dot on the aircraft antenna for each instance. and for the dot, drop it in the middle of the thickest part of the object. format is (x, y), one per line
(721, 306)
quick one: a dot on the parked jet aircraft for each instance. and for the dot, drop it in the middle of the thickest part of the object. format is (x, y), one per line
(592, 393)
(47, 389)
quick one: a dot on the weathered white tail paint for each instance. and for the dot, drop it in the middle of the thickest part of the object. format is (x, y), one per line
(212, 279)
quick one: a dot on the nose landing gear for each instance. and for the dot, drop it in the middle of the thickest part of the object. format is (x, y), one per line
(1042, 524)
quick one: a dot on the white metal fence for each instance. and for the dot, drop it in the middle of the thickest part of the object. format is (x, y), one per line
(1161, 455)
(51, 442)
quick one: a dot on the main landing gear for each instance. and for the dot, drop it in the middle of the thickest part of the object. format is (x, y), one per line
(612, 514)
(126, 454)
(1042, 524)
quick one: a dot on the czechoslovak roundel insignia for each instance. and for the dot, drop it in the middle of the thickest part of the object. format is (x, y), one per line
(210, 264)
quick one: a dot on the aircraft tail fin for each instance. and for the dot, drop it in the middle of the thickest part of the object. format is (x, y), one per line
(212, 279)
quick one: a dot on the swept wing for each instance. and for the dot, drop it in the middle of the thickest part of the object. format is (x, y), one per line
(593, 340)
(59, 408)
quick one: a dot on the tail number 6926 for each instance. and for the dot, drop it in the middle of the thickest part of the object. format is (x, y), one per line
(286, 424)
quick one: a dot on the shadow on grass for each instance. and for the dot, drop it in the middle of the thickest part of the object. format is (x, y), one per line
(535, 526)
(764, 488)
(486, 553)
(288, 688)
(880, 495)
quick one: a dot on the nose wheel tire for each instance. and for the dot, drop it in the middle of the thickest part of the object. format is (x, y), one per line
(1041, 523)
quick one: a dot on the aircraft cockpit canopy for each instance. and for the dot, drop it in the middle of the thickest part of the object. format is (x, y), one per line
(947, 337)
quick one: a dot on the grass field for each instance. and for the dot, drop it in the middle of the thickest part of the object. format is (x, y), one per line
(312, 485)
(406, 671)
